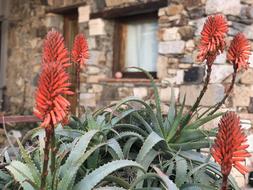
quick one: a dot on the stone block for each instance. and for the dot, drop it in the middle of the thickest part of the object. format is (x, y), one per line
(197, 12)
(92, 70)
(187, 59)
(220, 73)
(231, 7)
(112, 3)
(198, 23)
(250, 108)
(162, 65)
(88, 99)
(221, 59)
(190, 45)
(186, 32)
(124, 92)
(170, 34)
(172, 47)
(97, 27)
(213, 95)
(175, 76)
(95, 78)
(191, 3)
(161, 12)
(250, 2)
(83, 14)
(165, 94)
(97, 88)
(247, 77)
(96, 58)
(194, 75)
(242, 94)
(174, 9)
(140, 92)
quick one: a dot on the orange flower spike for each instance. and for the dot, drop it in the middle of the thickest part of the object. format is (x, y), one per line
(54, 50)
(212, 40)
(49, 92)
(239, 52)
(230, 145)
(80, 52)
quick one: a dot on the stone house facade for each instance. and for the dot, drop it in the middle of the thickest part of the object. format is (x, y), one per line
(166, 34)
(169, 50)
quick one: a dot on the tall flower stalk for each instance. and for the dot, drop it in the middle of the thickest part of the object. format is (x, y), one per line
(212, 43)
(230, 147)
(51, 106)
(80, 55)
(238, 55)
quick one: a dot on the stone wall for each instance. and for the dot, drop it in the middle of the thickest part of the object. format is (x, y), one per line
(180, 24)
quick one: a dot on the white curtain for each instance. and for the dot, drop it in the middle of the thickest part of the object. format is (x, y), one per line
(141, 45)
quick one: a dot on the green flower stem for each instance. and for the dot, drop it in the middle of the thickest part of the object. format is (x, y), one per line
(224, 182)
(227, 93)
(53, 155)
(44, 172)
(78, 89)
(187, 118)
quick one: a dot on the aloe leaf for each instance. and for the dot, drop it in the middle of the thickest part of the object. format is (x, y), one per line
(110, 188)
(128, 145)
(34, 170)
(22, 174)
(147, 146)
(212, 166)
(171, 113)
(190, 135)
(91, 122)
(181, 171)
(148, 109)
(71, 133)
(202, 121)
(130, 127)
(68, 177)
(176, 124)
(191, 145)
(129, 134)
(146, 162)
(169, 184)
(196, 187)
(157, 97)
(91, 180)
(78, 149)
(123, 114)
(114, 145)
(145, 124)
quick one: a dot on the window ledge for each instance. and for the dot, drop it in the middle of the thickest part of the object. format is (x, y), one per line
(128, 80)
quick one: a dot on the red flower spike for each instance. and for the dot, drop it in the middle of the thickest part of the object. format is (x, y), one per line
(239, 52)
(51, 106)
(80, 52)
(212, 40)
(229, 148)
(54, 50)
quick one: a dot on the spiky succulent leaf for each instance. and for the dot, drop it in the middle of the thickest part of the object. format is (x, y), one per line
(29, 162)
(149, 143)
(181, 171)
(22, 173)
(91, 180)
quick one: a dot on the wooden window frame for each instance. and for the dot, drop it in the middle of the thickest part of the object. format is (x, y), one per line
(68, 18)
(119, 45)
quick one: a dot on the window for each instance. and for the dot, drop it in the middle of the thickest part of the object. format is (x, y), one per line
(136, 45)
